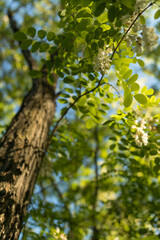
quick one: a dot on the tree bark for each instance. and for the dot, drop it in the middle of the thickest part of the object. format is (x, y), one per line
(21, 151)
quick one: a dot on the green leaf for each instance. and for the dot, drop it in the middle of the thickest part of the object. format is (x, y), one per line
(103, 17)
(69, 90)
(44, 46)
(83, 13)
(50, 79)
(105, 106)
(149, 91)
(84, 23)
(50, 36)
(68, 79)
(64, 95)
(128, 3)
(128, 100)
(141, 98)
(132, 79)
(26, 43)
(157, 14)
(108, 122)
(88, 52)
(101, 43)
(141, 63)
(126, 90)
(82, 101)
(127, 74)
(135, 87)
(20, 36)
(112, 12)
(31, 31)
(35, 73)
(91, 77)
(62, 100)
(89, 123)
(142, 20)
(35, 46)
(100, 8)
(41, 34)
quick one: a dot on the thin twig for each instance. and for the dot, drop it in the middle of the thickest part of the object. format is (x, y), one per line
(115, 89)
(71, 105)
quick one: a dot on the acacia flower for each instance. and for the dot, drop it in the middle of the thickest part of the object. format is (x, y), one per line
(102, 62)
(140, 136)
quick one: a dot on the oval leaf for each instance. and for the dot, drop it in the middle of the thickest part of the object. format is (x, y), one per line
(157, 14)
(100, 8)
(132, 79)
(83, 13)
(69, 90)
(44, 46)
(68, 79)
(89, 124)
(31, 31)
(142, 20)
(141, 98)
(20, 36)
(112, 12)
(35, 46)
(149, 91)
(41, 34)
(26, 43)
(62, 100)
(141, 63)
(135, 87)
(128, 100)
(50, 36)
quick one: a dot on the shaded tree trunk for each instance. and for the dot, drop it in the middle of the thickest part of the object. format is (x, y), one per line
(21, 151)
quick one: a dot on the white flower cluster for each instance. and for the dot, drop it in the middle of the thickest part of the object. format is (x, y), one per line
(59, 236)
(102, 62)
(141, 137)
(141, 4)
(150, 38)
(140, 36)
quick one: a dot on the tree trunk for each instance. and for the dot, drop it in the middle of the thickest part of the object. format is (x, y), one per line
(21, 152)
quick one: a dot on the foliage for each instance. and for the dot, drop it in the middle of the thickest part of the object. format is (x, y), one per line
(100, 176)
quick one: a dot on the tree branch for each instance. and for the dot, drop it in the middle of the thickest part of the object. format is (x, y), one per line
(26, 53)
(99, 83)
(125, 34)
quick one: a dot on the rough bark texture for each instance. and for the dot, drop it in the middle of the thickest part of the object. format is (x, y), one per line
(21, 152)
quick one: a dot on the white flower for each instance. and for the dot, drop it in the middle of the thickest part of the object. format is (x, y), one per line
(139, 48)
(150, 38)
(102, 62)
(136, 122)
(140, 136)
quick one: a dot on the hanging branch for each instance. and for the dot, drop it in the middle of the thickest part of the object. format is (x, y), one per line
(26, 53)
(100, 83)
(125, 34)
